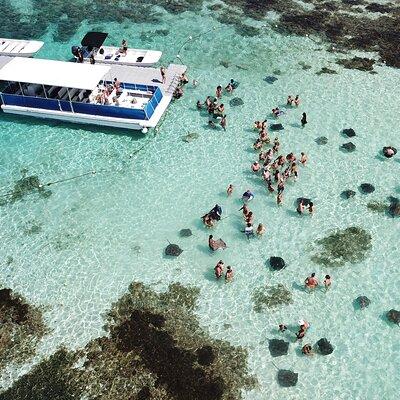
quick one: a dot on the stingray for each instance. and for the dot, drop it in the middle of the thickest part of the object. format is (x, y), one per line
(270, 79)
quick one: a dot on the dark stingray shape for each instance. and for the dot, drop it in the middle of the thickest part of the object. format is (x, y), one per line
(237, 101)
(394, 208)
(325, 70)
(276, 127)
(349, 132)
(321, 140)
(185, 233)
(349, 147)
(367, 188)
(287, 378)
(393, 316)
(324, 346)
(270, 79)
(362, 302)
(277, 263)
(173, 250)
(278, 347)
(347, 194)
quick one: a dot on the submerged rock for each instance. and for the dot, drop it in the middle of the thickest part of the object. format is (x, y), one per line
(349, 147)
(362, 302)
(278, 347)
(21, 328)
(155, 347)
(270, 79)
(276, 127)
(377, 206)
(393, 316)
(173, 250)
(362, 64)
(367, 188)
(342, 246)
(347, 194)
(269, 297)
(277, 263)
(237, 101)
(324, 346)
(185, 233)
(350, 132)
(321, 140)
(287, 378)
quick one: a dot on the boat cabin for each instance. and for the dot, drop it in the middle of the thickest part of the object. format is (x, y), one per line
(75, 92)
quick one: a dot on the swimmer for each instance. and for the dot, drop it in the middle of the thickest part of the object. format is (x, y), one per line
(248, 195)
(249, 230)
(255, 167)
(249, 218)
(220, 109)
(297, 101)
(277, 176)
(219, 269)
(199, 105)
(270, 187)
(311, 207)
(208, 102)
(282, 328)
(290, 100)
(208, 221)
(301, 333)
(279, 199)
(294, 170)
(229, 88)
(260, 229)
(262, 156)
(264, 136)
(280, 160)
(229, 273)
(163, 73)
(291, 157)
(304, 120)
(327, 282)
(216, 244)
(245, 209)
(303, 159)
(300, 207)
(311, 282)
(229, 191)
(183, 79)
(223, 122)
(257, 144)
(281, 187)
(307, 350)
(211, 124)
(218, 92)
(266, 174)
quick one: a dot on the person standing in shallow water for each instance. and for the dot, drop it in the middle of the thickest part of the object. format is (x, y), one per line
(229, 274)
(303, 120)
(229, 191)
(163, 74)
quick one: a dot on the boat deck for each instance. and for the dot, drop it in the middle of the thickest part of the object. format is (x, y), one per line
(152, 77)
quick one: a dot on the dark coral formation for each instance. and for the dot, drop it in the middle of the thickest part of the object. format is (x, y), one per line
(342, 246)
(360, 63)
(155, 350)
(270, 297)
(21, 328)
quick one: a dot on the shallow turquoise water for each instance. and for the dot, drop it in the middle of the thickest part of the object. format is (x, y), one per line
(101, 232)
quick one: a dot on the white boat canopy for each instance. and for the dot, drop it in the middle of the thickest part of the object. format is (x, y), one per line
(53, 73)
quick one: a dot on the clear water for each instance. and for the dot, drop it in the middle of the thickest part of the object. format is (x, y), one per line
(101, 232)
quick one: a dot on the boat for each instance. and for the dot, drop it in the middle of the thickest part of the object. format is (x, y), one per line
(92, 47)
(19, 48)
(85, 93)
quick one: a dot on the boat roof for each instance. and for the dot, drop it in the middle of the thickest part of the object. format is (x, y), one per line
(94, 39)
(53, 73)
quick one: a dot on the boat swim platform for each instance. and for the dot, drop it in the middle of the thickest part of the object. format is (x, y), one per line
(152, 77)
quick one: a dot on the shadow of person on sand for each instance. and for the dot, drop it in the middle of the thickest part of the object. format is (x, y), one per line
(295, 125)
(205, 249)
(297, 286)
(293, 213)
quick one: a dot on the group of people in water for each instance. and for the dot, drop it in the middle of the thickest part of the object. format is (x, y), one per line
(275, 168)
(214, 107)
(219, 271)
(311, 282)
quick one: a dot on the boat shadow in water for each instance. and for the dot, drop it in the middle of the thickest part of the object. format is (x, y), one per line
(51, 123)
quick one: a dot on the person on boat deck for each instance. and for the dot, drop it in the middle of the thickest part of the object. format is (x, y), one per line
(80, 56)
(178, 93)
(184, 79)
(124, 47)
(117, 86)
(92, 60)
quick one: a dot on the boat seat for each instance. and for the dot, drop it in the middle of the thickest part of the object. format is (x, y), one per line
(86, 100)
(33, 89)
(9, 48)
(53, 91)
(61, 92)
(4, 45)
(81, 95)
(73, 92)
(18, 48)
